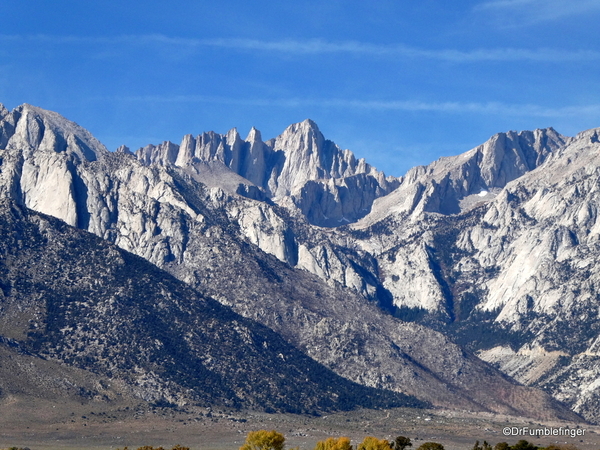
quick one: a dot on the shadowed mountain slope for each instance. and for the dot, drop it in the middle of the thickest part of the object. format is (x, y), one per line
(242, 252)
(513, 275)
(71, 297)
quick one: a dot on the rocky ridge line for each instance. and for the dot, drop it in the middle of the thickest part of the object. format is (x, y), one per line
(167, 216)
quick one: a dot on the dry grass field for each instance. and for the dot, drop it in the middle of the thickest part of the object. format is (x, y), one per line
(50, 425)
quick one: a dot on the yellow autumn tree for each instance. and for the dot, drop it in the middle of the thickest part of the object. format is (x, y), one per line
(342, 443)
(372, 443)
(264, 440)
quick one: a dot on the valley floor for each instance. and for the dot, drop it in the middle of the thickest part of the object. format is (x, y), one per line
(48, 425)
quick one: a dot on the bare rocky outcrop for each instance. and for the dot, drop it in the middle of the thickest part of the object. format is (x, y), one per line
(203, 235)
(454, 184)
(67, 296)
(512, 275)
(329, 185)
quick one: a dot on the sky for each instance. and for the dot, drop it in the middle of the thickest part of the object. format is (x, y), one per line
(400, 83)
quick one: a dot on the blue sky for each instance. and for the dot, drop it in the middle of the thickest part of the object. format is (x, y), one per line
(400, 82)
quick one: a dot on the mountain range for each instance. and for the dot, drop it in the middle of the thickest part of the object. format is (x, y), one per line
(70, 297)
(469, 283)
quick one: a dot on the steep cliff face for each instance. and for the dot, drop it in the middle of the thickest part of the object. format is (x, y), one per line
(457, 183)
(28, 132)
(389, 252)
(328, 185)
(70, 297)
(513, 276)
(494, 247)
(309, 156)
(547, 285)
(203, 235)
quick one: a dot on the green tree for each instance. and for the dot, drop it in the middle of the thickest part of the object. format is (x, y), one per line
(501, 446)
(264, 440)
(342, 443)
(372, 443)
(485, 446)
(401, 442)
(523, 445)
(431, 446)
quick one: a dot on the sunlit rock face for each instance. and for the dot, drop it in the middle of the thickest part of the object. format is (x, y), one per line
(328, 185)
(493, 249)
(503, 258)
(114, 327)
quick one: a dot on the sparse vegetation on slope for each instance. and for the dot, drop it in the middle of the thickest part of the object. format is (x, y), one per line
(69, 296)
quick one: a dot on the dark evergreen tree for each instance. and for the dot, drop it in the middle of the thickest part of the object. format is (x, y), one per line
(401, 442)
(523, 445)
(431, 446)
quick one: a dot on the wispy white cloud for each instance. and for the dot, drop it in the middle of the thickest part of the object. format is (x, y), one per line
(533, 11)
(453, 55)
(487, 108)
(318, 46)
(504, 4)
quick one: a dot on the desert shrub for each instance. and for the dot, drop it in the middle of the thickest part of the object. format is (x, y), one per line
(149, 447)
(525, 445)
